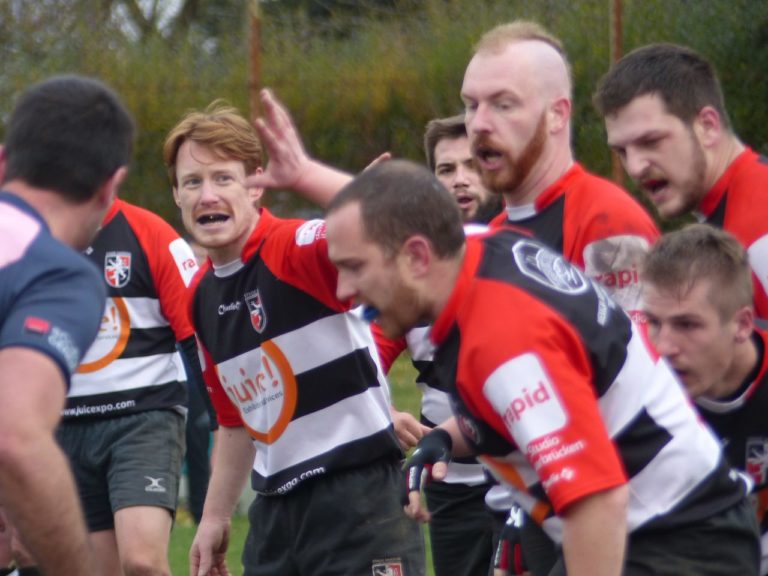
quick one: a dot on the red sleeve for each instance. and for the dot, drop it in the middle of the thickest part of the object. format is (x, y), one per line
(534, 386)
(388, 349)
(171, 262)
(298, 254)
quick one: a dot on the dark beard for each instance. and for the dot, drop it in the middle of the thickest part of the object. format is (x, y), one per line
(488, 210)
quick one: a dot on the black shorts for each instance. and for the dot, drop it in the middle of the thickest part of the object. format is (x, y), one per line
(726, 544)
(347, 523)
(132, 460)
(461, 529)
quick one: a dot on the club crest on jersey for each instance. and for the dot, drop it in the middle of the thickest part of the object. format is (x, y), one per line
(549, 268)
(757, 459)
(256, 310)
(388, 567)
(117, 268)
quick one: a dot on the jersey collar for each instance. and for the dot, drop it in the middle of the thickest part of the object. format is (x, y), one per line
(712, 198)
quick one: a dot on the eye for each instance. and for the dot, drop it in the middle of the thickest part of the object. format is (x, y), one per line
(445, 170)
(191, 182)
(224, 178)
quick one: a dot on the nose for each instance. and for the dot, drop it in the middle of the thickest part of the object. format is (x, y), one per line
(345, 289)
(461, 177)
(207, 193)
(478, 120)
(635, 163)
(664, 341)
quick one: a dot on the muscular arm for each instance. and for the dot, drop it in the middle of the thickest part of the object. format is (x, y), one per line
(233, 461)
(37, 489)
(595, 532)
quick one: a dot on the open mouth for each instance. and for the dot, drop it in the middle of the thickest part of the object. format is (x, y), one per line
(207, 219)
(654, 186)
(464, 200)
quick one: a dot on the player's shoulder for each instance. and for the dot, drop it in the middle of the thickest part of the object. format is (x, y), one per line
(144, 219)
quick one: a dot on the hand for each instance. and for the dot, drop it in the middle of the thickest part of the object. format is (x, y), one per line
(287, 158)
(208, 554)
(383, 157)
(428, 461)
(408, 429)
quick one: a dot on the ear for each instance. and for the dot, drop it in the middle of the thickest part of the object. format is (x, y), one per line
(176, 197)
(744, 320)
(708, 126)
(255, 193)
(416, 256)
(559, 114)
(108, 192)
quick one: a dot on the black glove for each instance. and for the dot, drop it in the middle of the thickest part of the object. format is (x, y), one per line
(432, 448)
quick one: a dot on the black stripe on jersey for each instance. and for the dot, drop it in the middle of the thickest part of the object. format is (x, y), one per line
(150, 341)
(112, 404)
(718, 492)
(605, 342)
(426, 375)
(223, 320)
(377, 447)
(351, 374)
(640, 442)
(547, 225)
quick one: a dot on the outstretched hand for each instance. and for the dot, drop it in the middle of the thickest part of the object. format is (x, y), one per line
(287, 158)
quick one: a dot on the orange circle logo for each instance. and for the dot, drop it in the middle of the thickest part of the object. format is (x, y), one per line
(112, 337)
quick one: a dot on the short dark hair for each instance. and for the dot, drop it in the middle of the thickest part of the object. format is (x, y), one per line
(681, 258)
(70, 134)
(684, 79)
(439, 129)
(399, 199)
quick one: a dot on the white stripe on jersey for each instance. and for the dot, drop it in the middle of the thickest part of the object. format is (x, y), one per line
(128, 373)
(323, 341)
(351, 419)
(144, 313)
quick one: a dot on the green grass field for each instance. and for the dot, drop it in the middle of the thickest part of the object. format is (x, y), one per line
(406, 397)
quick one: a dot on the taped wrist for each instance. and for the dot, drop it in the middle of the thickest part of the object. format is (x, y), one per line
(433, 447)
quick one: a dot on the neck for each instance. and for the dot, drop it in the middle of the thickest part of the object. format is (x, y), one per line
(722, 158)
(446, 275)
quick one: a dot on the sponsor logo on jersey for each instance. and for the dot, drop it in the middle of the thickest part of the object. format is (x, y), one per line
(309, 232)
(521, 391)
(63, 342)
(154, 485)
(548, 268)
(112, 338)
(256, 310)
(387, 567)
(231, 307)
(262, 385)
(757, 459)
(117, 268)
(184, 259)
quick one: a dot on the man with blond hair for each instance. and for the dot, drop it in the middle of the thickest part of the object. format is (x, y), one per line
(517, 97)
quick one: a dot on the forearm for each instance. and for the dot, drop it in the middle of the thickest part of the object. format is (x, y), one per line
(319, 183)
(595, 533)
(234, 454)
(37, 483)
(460, 446)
